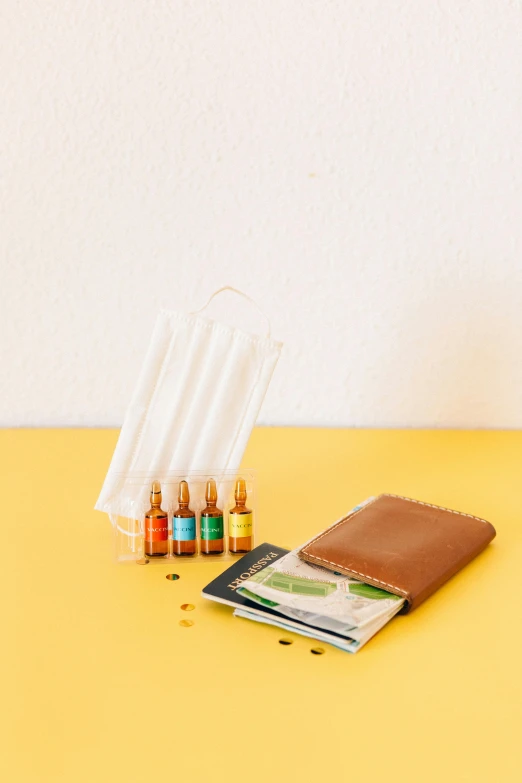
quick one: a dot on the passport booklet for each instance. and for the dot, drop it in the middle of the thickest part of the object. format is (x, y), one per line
(223, 588)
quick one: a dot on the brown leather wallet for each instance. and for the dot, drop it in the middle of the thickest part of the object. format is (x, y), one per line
(404, 546)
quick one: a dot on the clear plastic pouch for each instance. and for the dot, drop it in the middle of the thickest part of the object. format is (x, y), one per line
(139, 539)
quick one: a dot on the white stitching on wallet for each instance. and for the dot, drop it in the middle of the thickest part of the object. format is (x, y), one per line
(351, 516)
(340, 522)
(440, 508)
(365, 576)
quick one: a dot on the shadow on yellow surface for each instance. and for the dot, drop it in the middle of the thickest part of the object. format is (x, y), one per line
(102, 681)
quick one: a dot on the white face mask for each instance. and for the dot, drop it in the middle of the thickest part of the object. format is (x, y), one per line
(197, 398)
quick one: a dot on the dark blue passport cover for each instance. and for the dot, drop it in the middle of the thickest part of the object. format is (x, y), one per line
(224, 587)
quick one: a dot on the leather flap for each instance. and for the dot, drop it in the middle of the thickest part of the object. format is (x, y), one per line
(404, 546)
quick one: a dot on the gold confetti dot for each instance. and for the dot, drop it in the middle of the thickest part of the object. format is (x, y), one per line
(172, 577)
(186, 623)
(187, 607)
(317, 651)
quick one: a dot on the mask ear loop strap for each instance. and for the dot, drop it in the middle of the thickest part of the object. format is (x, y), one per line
(239, 293)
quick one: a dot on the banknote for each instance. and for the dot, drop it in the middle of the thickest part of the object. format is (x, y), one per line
(350, 643)
(322, 599)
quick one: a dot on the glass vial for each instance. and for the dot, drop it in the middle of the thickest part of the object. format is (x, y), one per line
(212, 535)
(240, 536)
(156, 525)
(183, 524)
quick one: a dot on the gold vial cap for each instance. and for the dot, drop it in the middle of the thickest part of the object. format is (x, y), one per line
(240, 493)
(183, 494)
(155, 494)
(211, 492)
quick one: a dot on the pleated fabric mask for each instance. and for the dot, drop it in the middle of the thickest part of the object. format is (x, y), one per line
(196, 400)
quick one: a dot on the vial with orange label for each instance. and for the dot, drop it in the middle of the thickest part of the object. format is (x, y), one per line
(240, 522)
(156, 532)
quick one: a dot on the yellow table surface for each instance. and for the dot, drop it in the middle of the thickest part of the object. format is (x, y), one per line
(101, 683)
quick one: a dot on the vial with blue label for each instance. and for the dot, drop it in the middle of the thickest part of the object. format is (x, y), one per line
(184, 538)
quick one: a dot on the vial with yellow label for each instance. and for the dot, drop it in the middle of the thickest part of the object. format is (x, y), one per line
(156, 525)
(184, 525)
(240, 532)
(212, 534)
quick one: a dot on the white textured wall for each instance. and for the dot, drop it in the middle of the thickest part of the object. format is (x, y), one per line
(356, 166)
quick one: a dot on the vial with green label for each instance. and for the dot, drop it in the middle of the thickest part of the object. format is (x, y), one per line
(184, 525)
(240, 532)
(212, 535)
